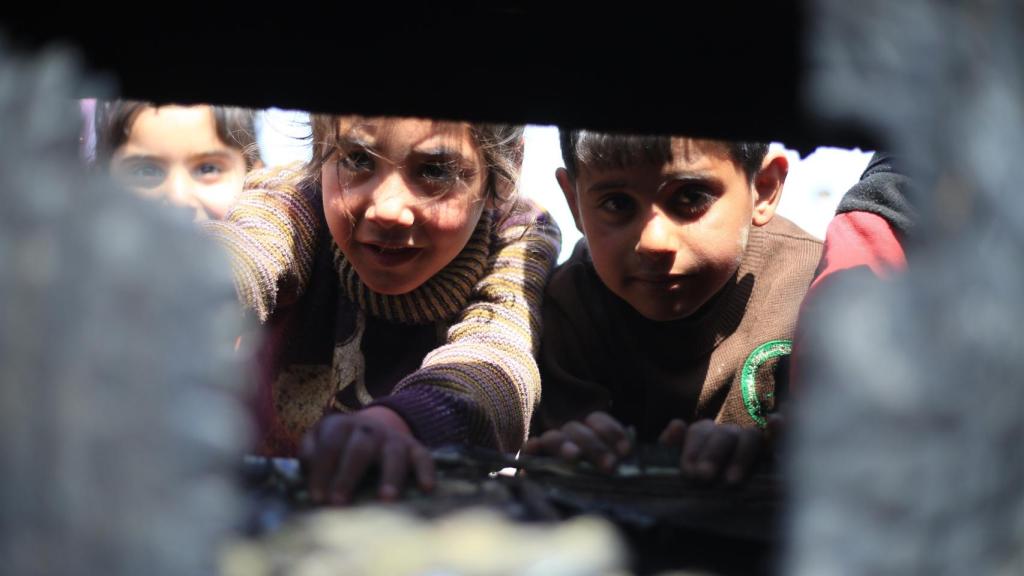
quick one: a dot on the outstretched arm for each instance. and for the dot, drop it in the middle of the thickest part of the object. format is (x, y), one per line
(482, 385)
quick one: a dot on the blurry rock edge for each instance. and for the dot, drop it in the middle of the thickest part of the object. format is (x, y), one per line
(119, 418)
(907, 454)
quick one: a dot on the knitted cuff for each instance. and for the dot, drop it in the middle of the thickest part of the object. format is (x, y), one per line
(436, 417)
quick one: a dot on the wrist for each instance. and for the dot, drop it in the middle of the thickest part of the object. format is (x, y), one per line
(387, 417)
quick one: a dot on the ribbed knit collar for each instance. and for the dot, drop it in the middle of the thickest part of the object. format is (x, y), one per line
(441, 297)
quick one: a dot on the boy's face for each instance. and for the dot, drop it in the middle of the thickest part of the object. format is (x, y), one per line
(667, 238)
(173, 153)
(402, 198)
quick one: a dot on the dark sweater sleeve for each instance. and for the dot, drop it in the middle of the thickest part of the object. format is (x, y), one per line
(884, 191)
(570, 359)
(436, 416)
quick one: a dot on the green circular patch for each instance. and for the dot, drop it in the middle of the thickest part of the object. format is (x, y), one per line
(748, 377)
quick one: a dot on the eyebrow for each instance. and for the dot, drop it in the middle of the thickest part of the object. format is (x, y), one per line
(607, 185)
(440, 153)
(160, 160)
(345, 142)
(709, 179)
(677, 175)
(354, 141)
(698, 175)
(141, 158)
(212, 153)
(701, 176)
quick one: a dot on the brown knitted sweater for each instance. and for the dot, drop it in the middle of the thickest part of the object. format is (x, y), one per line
(598, 353)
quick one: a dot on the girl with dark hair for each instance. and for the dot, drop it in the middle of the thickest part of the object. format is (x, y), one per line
(193, 156)
(398, 277)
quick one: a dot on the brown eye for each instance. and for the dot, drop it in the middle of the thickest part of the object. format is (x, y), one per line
(144, 175)
(208, 170)
(692, 200)
(439, 172)
(618, 204)
(357, 161)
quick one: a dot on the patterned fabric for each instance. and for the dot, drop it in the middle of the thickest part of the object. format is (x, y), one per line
(270, 233)
(477, 383)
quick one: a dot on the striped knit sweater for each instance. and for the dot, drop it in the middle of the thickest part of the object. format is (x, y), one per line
(455, 357)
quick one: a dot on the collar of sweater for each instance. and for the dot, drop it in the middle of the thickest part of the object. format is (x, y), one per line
(442, 297)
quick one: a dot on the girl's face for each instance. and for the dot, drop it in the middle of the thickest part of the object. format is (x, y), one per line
(402, 198)
(173, 153)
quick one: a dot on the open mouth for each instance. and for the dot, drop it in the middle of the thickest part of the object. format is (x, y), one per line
(665, 279)
(661, 282)
(389, 255)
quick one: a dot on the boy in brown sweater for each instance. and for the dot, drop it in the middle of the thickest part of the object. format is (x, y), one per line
(675, 310)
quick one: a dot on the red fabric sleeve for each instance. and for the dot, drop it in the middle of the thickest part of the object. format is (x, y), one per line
(860, 239)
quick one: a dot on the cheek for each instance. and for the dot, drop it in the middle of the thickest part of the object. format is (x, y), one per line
(230, 183)
(452, 217)
(724, 231)
(337, 212)
(744, 236)
(218, 196)
(448, 218)
(610, 247)
(726, 250)
(608, 257)
(329, 188)
(617, 239)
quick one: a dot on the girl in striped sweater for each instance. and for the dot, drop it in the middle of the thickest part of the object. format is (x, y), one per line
(398, 280)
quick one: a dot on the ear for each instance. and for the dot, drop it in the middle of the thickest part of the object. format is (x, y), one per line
(569, 190)
(767, 187)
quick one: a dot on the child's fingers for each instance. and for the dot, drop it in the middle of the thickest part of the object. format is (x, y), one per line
(360, 451)
(610, 431)
(550, 443)
(328, 439)
(533, 446)
(568, 450)
(696, 436)
(394, 465)
(593, 449)
(717, 452)
(423, 466)
(674, 434)
(745, 456)
(307, 447)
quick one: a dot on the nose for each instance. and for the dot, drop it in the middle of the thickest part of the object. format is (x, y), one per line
(391, 204)
(657, 238)
(180, 189)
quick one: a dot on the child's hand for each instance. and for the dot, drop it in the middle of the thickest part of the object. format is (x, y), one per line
(341, 448)
(598, 439)
(713, 452)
